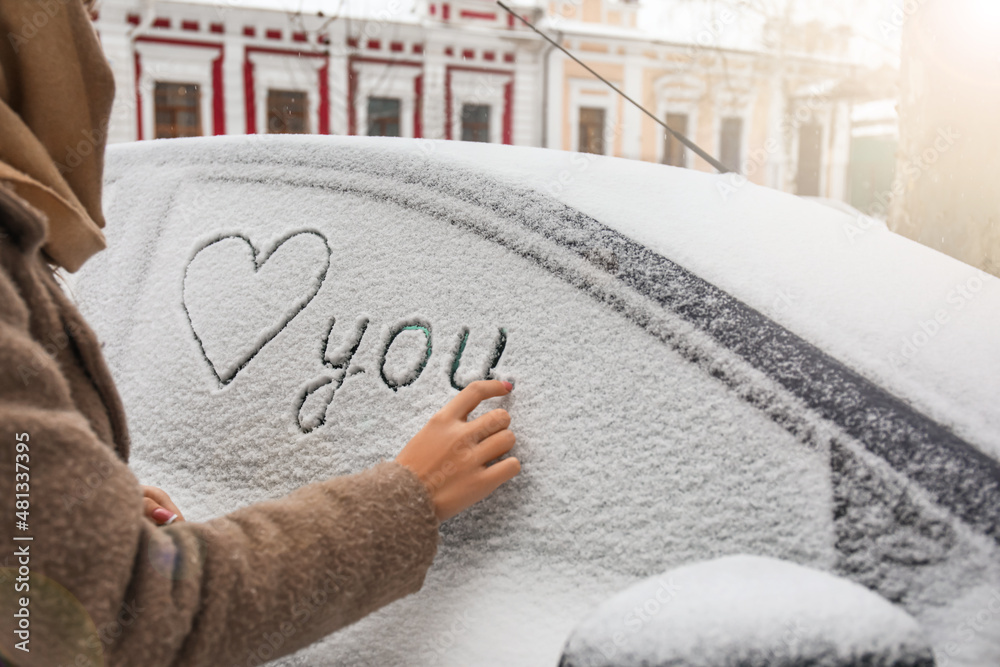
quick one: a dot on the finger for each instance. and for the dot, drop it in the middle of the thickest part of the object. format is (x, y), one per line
(500, 473)
(148, 506)
(473, 395)
(157, 494)
(161, 498)
(492, 422)
(161, 516)
(164, 517)
(495, 446)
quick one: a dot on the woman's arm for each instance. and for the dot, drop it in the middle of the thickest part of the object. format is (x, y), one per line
(264, 580)
(451, 456)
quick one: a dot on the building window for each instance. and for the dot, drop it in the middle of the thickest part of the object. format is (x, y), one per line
(591, 130)
(287, 112)
(674, 152)
(383, 117)
(476, 122)
(178, 110)
(731, 143)
(810, 159)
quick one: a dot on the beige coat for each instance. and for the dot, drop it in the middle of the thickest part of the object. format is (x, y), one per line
(104, 577)
(97, 583)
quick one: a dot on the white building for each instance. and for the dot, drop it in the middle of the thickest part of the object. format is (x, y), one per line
(464, 69)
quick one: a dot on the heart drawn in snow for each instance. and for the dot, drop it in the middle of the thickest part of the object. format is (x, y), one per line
(238, 299)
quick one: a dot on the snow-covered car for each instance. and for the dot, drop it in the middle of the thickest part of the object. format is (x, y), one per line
(702, 368)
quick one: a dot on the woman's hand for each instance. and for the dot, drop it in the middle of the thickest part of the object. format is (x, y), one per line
(158, 507)
(450, 454)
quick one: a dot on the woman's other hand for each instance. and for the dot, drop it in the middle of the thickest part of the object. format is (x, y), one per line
(451, 454)
(158, 507)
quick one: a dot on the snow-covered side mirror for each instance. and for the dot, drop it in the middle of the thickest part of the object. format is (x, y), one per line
(747, 610)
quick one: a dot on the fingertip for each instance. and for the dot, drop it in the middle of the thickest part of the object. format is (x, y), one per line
(501, 472)
(474, 394)
(163, 516)
(513, 465)
(509, 386)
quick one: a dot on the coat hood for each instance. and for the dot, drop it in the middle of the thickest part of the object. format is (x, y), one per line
(56, 90)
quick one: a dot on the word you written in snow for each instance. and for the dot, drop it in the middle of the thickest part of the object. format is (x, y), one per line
(403, 356)
(228, 272)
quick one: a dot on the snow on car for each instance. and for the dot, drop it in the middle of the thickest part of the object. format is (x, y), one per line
(747, 610)
(702, 367)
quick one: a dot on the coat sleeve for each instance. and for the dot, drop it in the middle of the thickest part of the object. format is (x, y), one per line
(241, 589)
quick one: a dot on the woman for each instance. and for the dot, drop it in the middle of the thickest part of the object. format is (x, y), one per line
(107, 583)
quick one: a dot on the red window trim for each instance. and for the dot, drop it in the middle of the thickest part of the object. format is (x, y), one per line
(249, 86)
(218, 87)
(471, 14)
(507, 122)
(352, 77)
